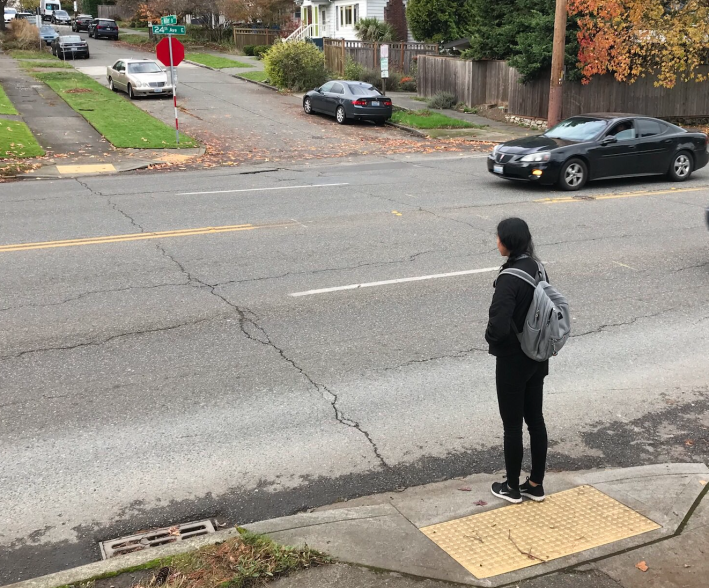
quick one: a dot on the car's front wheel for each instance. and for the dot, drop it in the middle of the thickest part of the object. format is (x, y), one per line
(110, 85)
(573, 176)
(131, 95)
(308, 106)
(341, 115)
(682, 167)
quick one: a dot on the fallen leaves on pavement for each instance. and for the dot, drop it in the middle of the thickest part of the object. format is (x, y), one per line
(642, 566)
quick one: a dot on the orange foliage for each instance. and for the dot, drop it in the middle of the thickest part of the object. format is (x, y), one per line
(668, 39)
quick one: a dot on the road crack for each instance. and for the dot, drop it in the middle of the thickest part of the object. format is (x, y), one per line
(633, 320)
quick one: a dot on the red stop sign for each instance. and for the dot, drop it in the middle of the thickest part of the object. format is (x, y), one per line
(162, 50)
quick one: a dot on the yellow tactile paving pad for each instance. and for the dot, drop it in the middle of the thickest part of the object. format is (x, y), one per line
(522, 535)
(92, 168)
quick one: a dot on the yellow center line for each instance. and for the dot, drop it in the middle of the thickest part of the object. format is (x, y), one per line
(135, 237)
(619, 195)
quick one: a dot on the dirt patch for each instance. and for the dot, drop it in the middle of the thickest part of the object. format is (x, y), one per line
(78, 91)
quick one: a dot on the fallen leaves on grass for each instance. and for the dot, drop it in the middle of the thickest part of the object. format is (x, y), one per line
(642, 566)
(78, 91)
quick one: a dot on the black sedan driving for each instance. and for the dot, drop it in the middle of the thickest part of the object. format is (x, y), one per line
(349, 101)
(601, 146)
(70, 47)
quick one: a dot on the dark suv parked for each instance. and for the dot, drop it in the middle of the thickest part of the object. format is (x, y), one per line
(81, 22)
(103, 27)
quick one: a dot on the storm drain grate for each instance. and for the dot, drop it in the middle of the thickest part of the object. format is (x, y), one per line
(155, 538)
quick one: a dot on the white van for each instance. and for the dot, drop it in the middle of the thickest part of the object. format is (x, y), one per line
(47, 8)
(10, 14)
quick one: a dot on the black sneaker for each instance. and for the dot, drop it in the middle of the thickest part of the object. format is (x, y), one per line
(536, 493)
(502, 490)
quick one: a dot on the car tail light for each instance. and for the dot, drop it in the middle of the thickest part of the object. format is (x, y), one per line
(387, 103)
(359, 102)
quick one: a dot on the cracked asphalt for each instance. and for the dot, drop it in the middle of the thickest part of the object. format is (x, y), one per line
(151, 382)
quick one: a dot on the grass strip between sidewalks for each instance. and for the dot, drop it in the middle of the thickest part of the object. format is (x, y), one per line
(425, 119)
(215, 61)
(24, 54)
(6, 106)
(16, 140)
(137, 40)
(123, 124)
(36, 63)
(255, 76)
(240, 562)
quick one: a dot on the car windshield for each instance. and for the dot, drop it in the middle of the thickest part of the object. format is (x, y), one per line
(578, 128)
(60, 13)
(149, 67)
(10, 11)
(358, 90)
(71, 39)
(52, 6)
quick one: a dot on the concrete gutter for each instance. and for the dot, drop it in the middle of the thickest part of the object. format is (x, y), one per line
(409, 130)
(263, 85)
(371, 531)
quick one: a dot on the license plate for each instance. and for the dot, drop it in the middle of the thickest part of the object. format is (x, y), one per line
(74, 49)
(498, 169)
(157, 90)
(375, 103)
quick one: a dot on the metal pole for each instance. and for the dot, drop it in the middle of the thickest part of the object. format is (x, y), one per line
(174, 91)
(557, 65)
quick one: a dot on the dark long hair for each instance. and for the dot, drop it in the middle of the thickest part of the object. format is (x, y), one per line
(515, 236)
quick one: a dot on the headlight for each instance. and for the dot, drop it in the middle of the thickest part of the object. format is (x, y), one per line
(496, 149)
(537, 157)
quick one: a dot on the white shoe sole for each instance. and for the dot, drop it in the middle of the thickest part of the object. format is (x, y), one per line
(507, 498)
(535, 498)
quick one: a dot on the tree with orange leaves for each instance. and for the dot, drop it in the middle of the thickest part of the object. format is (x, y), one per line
(668, 39)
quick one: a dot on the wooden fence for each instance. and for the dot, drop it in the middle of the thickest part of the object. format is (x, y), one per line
(401, 55)
(494, 82)
(244, 37)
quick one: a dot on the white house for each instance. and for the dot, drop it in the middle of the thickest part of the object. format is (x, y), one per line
(336, 18)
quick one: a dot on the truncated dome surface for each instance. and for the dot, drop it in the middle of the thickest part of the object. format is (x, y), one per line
(522, 535)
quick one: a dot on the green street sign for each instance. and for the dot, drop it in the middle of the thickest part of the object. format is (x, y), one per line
(169, 30)
(168, 20)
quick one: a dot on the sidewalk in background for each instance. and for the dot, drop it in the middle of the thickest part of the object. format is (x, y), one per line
(380, 538)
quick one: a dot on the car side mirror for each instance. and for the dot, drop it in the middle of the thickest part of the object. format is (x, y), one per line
(609, 140)
(318, 90)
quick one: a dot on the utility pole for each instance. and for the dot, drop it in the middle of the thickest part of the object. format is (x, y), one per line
(557, 64)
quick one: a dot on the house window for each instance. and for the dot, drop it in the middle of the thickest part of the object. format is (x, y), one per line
(349, 15)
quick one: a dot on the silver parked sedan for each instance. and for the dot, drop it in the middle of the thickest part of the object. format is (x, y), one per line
(139, 77)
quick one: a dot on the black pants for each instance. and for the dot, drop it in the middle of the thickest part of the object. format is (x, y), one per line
(520, 392)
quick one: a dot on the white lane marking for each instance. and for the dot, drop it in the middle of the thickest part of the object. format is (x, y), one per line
(260, 189)
(399, 281)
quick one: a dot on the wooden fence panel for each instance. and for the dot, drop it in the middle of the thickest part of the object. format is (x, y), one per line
(401, 55)
(244, 37)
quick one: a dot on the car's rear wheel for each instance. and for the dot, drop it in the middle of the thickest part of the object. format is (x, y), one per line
(682, 167)
(573, 176)
(131, 95)
(341, 115)
(308, 106)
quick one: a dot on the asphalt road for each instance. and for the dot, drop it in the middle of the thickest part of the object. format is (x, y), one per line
(202, 373)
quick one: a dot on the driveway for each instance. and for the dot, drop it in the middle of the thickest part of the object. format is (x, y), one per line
(241, 122)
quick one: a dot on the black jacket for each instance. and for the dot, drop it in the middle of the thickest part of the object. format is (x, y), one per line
(510, 303)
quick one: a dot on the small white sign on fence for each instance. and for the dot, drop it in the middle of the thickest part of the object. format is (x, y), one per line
(385, 51)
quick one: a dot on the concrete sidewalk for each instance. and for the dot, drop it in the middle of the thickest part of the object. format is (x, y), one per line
(380, 537)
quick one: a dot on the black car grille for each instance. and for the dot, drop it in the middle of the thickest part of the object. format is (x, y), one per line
(503, 158)
(157, 84)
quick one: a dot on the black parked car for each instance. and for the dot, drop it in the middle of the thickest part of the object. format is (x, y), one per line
(61, 17)
(103, 27)
(595, 146)
(81, 23)
(70, 47)
(349, 100)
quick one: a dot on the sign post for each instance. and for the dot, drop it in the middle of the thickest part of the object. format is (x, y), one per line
(384, 66)
(171, 53)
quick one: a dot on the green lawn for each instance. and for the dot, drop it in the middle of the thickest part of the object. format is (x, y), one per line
(33, 63)
(256, 76)
(112, 114)
(21, 54)
(215, 61)
(137, 40)
(16, 140)
(425, 119)
(6, 106)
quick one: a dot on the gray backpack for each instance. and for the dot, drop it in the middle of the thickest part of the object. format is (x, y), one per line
(548, 322)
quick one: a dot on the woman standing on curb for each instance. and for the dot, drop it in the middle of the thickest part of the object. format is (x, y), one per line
(519, 379)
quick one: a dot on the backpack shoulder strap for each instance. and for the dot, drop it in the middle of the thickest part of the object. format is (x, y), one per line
(521, 274)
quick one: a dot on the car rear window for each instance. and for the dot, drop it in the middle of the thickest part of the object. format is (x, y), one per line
(61, 13)
(71, 39)
(358, 90)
